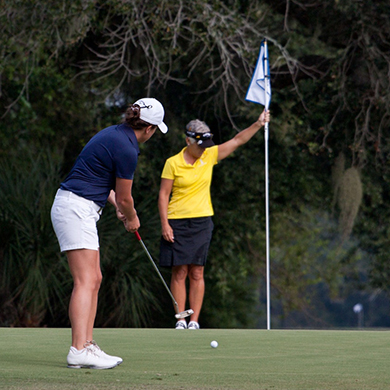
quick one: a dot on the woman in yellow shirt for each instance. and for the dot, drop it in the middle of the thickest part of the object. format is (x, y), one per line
(185, 210)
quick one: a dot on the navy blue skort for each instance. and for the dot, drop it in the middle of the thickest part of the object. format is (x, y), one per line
(192, 242)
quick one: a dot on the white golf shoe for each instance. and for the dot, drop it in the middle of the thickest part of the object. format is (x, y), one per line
(193, 325)
(98, 351)
(182, 324)
(88, 358)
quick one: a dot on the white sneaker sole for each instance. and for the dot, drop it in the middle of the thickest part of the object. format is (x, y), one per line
(91, 367)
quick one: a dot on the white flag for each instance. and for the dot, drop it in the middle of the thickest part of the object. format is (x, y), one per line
(259, 90)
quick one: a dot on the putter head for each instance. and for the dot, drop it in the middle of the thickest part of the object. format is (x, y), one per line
(184, 314)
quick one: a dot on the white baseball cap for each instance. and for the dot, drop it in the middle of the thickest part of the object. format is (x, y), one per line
(152, 111)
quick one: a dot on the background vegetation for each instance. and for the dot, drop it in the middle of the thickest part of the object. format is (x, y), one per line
(68, 69)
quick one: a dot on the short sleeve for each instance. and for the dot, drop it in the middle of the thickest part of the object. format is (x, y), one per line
(168, 171)
(214, 154)
(126, 163)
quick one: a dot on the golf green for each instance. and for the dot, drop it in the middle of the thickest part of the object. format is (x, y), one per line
(183, 359)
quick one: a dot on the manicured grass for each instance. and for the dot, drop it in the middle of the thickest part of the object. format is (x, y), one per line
(184, 359)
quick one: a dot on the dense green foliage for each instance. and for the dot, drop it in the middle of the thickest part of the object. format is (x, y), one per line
(68, 71)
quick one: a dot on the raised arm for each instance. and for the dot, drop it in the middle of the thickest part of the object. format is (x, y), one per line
(163, 200)
(228, 147)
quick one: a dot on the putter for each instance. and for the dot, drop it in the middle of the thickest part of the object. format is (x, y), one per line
(181, 314)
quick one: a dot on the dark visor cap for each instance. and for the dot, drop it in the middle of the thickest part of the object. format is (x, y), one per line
(204, 140)
(206, 143)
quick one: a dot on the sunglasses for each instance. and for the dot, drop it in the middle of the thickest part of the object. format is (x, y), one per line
(199, 136)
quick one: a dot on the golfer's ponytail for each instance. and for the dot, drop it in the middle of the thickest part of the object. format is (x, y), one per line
(132, 117)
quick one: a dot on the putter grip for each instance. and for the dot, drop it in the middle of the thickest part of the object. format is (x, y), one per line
(138, 236)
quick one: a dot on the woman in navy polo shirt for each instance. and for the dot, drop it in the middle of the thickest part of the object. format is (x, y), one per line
(103, 172)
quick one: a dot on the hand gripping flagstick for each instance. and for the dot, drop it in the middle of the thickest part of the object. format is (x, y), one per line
(182, 314)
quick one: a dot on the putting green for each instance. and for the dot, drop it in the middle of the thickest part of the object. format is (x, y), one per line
(183, 359)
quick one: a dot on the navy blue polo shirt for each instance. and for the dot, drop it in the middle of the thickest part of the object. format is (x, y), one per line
(111, 153)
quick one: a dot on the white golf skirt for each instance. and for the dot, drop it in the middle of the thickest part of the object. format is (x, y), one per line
(74, 221)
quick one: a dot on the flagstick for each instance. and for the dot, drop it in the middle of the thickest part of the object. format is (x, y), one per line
(267, 226)
(266, 136)
(259, 91)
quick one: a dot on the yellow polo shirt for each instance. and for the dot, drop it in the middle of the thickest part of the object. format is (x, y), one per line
(190, 197)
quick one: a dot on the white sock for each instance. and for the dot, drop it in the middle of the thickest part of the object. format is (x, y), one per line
(77, 351)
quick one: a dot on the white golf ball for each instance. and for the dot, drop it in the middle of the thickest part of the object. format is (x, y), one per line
(214, 344)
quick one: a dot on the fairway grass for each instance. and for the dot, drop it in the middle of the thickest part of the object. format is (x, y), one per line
(183, 359)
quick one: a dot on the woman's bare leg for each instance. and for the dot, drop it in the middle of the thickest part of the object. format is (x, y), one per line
(197, 289)
(85, 268)
(178, 285)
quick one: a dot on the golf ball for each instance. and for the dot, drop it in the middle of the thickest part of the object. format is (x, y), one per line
(214, 344)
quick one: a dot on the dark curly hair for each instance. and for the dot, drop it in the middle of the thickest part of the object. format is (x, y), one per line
(132, 118)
